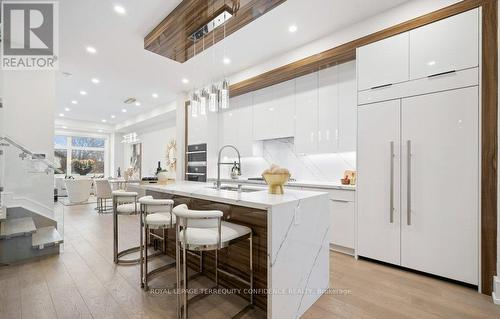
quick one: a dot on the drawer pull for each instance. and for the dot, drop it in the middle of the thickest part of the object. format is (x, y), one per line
(381, 86)
(441, 73)
(339, 200)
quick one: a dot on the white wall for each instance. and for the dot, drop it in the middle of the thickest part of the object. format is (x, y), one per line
(29, 119)
(405, 12)
(154, 147)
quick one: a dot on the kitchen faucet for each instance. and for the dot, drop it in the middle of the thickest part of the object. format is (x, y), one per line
(219, 163)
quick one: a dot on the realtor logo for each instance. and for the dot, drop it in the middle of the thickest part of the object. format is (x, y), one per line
(29, 35)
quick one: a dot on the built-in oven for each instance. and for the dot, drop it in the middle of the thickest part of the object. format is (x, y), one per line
(196, 163)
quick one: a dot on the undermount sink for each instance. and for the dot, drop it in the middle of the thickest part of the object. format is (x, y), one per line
(236, 189)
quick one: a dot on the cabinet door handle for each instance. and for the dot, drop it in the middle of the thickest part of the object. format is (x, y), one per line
(441, 73)
(408, 188)
(391, 191)
(339, 200)
(380, 86)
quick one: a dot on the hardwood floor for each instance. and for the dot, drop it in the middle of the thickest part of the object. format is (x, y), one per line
(83, 282)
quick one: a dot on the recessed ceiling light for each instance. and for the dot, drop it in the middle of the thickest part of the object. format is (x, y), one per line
(103, 120)
(226, 60)
(95, 80)
(293, 28)
(64, 127)
(155, 95)
(137, 103)
(119, 9)
(67, 109)
(74, 102)
(61, 114)
(100, 131)
(185, 81)
(91, 50)
(113, 116)
(124, 110)
(83, 93)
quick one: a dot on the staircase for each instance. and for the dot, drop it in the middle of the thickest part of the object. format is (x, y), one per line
(25, 235)
(28, 228)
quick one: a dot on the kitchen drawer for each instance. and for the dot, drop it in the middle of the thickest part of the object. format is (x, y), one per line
(341, 195)
(449, 81)
(342, 227)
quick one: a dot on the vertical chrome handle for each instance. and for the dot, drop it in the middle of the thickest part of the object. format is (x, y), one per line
(408, 188)
(391, 208)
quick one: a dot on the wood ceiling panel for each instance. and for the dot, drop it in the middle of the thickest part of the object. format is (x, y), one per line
(171, 37)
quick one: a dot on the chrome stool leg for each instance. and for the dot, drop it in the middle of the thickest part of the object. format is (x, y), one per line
(118, 254)
(163, 223)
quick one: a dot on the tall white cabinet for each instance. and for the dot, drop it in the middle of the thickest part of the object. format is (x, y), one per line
(418, 154)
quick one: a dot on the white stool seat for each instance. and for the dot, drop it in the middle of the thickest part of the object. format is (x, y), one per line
(210, 236)
(128, 209)
(159, 220)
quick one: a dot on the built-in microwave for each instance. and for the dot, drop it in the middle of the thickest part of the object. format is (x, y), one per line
(196, 163)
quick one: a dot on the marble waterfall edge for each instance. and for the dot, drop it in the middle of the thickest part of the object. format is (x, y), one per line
(298, 256)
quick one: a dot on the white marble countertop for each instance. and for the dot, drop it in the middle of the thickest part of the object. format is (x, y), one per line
(309, 184)
(260, 199)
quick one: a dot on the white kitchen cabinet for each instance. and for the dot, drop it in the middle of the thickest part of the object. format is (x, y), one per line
(306, 114)
(440, 191)
(342, 227)
(236, 126)
(328, 99)
(383, 62)
(347, 108)
(342, 217)
(273, 111)
(197, 128)
(379, 181)
(447, 45)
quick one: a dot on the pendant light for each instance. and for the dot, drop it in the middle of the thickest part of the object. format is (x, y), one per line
(213, 101)
(194, 105)
(203, 102)
(224, 95)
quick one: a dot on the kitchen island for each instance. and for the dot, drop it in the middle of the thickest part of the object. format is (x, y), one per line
(291, 241)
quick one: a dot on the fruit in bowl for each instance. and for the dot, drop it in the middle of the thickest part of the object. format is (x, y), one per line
(275, 178)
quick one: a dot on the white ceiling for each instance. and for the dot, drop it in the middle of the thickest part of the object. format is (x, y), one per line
(125, 69)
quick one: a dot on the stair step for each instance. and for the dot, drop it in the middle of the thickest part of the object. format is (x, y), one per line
(3, 213)
(46, 236)
(17, 227)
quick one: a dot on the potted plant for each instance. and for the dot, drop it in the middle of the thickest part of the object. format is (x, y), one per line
(83, 166)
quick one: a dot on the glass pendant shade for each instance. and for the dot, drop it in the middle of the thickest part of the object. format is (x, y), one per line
(224, 95)
(194, 106)
(203, 102)
(212, 99)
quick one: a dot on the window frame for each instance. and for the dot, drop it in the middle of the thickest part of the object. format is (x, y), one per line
(69, 149)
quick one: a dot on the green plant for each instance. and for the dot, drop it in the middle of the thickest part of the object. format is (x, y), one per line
(83, 166)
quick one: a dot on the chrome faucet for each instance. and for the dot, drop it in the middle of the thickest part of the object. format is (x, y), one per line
(219, 163)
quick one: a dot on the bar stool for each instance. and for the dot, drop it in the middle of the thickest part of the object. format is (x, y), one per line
(156, 214)
(205, 231)
(103, 192)
(124, 203)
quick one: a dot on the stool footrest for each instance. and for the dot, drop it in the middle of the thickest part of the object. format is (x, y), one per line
(127, 252)
(233, 276)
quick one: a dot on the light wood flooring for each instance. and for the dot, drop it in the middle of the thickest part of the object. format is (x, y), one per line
(83, 282)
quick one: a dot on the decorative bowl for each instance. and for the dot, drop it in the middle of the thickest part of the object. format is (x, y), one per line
(275, 182)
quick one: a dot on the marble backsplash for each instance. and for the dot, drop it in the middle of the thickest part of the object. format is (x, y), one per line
(316, 167)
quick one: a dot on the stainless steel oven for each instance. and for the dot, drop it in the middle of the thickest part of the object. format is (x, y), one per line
(196, 163)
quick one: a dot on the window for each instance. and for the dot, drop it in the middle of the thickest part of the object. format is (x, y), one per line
(73, 154)
(92, 142)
